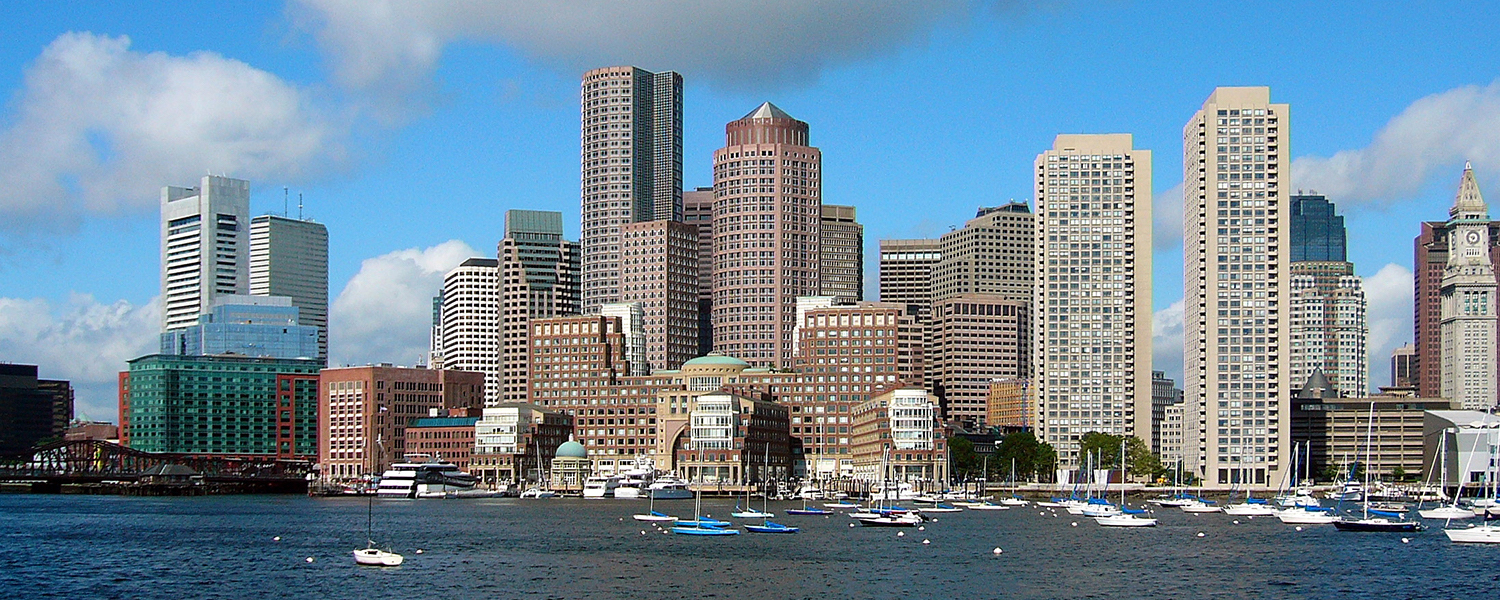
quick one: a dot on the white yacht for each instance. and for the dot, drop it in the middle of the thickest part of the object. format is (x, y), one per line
(600, 486)
(423, 476)
(1482, 534)
(669, 488)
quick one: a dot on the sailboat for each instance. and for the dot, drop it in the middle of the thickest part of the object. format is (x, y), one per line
(1127, 517)
(651, 514)
(1300, 508)
(371, 556)
(750, 513)
(701, 526)
(882, 515)
(1450, 511)
(768, 526)
(1014, 499)
(1382, 520)
(1251, 507)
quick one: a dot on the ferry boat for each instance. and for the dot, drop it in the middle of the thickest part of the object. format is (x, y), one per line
(423, 476)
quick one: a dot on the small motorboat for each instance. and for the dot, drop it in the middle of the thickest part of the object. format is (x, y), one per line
(771, 527)
(1013, 501)
(375, 557)
(538, 493)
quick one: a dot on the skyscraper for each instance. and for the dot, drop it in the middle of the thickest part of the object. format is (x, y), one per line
(1467, 299)
(1327, 303)
(1235, 285)
(538, 278)
(698, 210)
(1092, 301)
(289, 257)
(631, 165)
(767, 211)
(974, 339)
(1403, 366)
(841, 256)
(991, 254)
(1317, 230)
(906, 273)
(633, 326)
(659, 266)
(205, 247)
(471, 322)
(1430, 261)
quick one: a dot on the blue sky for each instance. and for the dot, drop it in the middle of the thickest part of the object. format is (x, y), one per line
(410, 128)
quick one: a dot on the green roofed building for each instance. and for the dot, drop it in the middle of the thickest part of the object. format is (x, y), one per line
(221, 406)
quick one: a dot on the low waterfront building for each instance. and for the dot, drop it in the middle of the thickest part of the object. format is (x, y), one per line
(1471, 437)
(31, 409)
(1383, 432)
(89, 430)
(570, 467)
(899, 429)
(222, 406)
(446, 437)
(363, 413)
(513, 441)
(725, 437)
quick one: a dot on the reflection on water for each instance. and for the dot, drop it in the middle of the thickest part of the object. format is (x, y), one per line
(222, 547)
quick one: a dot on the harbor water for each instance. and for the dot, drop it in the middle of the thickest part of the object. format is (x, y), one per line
(225, 547)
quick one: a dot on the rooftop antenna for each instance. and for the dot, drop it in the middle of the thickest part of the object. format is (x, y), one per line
(299, 206)
(285, 202)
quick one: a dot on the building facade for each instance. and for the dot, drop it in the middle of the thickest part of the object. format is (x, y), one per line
(471, 322)
(1430, 261)
(1092, 300)
(659, 271)
(974, 339)
(1384, 433)
(1164, 394)
(906, 273)
(899, 431)
(31, 410)
(223, 406)
(993, 253)
(1317, 230)
(1328, 326)
(1235, 285)
(514, 441)
(1012, 405)
(289, 257)
(363, 413)
(631, 166)
(767, 213)
(727, 438)
(449, 437)
(538, 279)
(1467, 300)
(841, 254)
(205, 247)
(698, 211)
(1404, 366)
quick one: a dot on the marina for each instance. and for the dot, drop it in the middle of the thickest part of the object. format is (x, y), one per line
(486, 548)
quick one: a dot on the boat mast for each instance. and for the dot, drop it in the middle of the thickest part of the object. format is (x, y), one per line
(1369, 440)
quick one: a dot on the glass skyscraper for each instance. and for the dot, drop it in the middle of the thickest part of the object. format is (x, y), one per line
(261, 326)
(1317, 231)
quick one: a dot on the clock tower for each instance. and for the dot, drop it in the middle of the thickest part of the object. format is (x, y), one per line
(1467, 299)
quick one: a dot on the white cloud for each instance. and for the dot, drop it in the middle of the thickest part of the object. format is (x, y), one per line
(391, 46)
(385, 311)
(1431, 136)
(1388, 299)
(100, 128)
(1166, 341)
(1166, 219)
(82, 341)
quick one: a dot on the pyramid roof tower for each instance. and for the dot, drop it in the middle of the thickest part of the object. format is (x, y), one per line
(1468, 204)
(767, 111)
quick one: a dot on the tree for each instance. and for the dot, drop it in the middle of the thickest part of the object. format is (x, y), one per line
(1143, 462)
(1104, 447)
(1398, 473)
(964, 461)
(1031, 456)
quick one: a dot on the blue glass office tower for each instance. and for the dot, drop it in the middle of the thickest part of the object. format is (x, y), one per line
(256, 326)
(1317, 232)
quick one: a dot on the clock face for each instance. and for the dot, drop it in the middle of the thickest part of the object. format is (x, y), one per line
(1472, 237)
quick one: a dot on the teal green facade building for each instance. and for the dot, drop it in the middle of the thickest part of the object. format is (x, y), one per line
(222, 406)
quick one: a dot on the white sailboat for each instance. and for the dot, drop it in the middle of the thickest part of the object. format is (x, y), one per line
(1448, 511)
(1250, 507)
(371, 556)
(1126, 517)
(748, 512)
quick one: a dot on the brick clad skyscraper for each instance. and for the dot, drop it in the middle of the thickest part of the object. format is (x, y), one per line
(767, 211)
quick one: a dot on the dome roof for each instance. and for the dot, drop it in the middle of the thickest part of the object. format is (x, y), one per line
(571, 449)
(716, 359)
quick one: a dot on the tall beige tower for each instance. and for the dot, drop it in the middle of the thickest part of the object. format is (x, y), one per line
(841, 254)
(1236, 274)
(1092, 299)
(1467, 298)
(767, 210)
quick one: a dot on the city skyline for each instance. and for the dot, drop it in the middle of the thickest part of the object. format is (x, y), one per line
(91, 287)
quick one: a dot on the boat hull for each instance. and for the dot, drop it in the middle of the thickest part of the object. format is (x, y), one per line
(1303, 517)
(707, 531)
(1250, 510)
(1125, 521)
(807, 511)
(371, 557)
(770, 527)
(1381, 525)
(1486, 534)
(1446, 513)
